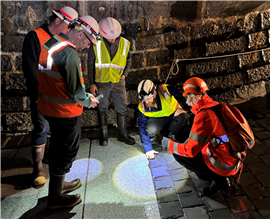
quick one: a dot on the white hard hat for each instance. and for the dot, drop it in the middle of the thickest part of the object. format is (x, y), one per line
(90, 25)
(67, 14)
(110, 28)
(146, 89)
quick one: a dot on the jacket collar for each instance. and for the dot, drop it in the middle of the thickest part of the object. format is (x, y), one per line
(204, 102)
(65, 36)
(109, 43)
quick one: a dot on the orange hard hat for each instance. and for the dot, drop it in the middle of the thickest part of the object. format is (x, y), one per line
(194, 85)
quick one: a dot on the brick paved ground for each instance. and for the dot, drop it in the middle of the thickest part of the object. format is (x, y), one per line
(178, 190)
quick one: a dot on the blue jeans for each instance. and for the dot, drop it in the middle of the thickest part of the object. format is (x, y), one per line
(41, 126)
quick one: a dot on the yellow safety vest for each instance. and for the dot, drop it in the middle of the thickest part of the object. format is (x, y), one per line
(168, 104)
(108, 70)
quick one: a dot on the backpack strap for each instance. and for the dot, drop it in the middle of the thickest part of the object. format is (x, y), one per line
(219, 116)
(214, 137)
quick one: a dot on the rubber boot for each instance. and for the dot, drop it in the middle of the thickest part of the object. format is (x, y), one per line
(214, 187)
(204, 176)
(58, 200)
(102, 120)
(71, 186)
(122, 130)
(38, 171)
(46, 152)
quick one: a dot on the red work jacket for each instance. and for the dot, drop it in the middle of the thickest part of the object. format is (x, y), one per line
(202, 138)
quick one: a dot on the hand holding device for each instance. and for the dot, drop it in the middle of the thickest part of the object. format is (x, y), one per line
(99, 97)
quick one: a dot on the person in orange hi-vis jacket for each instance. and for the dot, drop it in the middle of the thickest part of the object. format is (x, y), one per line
(61, 98)
(204, 152)
(59, 23)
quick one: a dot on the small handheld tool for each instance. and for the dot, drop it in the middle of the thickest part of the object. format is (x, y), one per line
(99, 97)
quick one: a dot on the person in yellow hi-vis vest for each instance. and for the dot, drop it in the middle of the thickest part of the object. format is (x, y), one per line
(159, 109)
(108, 65)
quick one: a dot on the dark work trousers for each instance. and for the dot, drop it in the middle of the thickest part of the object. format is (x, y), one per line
(174, 123)
(198, 166)
(64, 143)
(41, 126)
(119, 96)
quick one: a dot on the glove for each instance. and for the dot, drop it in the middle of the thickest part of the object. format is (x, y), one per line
(165, 143)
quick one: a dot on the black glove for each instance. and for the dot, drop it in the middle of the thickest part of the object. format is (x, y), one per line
(165, 143)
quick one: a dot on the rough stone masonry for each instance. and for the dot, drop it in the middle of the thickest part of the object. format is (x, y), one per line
(224, 43)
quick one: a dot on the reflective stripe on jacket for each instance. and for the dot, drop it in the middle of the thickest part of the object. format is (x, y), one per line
(108, 70)
(54, 99)
(205, 137)
(168, 104)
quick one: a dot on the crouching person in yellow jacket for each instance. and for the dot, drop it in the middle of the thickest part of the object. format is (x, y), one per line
(158, 109)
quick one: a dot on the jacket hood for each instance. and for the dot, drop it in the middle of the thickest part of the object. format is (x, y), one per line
(204, 102)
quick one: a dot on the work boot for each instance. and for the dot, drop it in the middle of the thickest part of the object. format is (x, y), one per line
(46, 152)
(102, 120)
(58, 200)
(214, 188)
(71, 186)
(156, 139)
(38, 171)
(122, 130)
(204, 176)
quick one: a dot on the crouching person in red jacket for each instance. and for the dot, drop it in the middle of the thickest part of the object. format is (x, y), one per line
(204, 152)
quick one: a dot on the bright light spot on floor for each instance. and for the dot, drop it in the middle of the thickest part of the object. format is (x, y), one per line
(95, 169)
(133, 178)
(80, 170)
(181, 176)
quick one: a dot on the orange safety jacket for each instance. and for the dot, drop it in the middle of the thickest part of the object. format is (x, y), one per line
(53, 99)
(43, 36)
(216, 154)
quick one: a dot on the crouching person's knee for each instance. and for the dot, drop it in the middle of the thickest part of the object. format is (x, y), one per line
(152, 131)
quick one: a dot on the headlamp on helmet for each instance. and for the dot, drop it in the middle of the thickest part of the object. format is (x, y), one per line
(83, 25)
(67, 14)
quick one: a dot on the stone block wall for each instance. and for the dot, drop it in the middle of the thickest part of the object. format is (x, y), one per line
(229, 49)
(225, 52)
